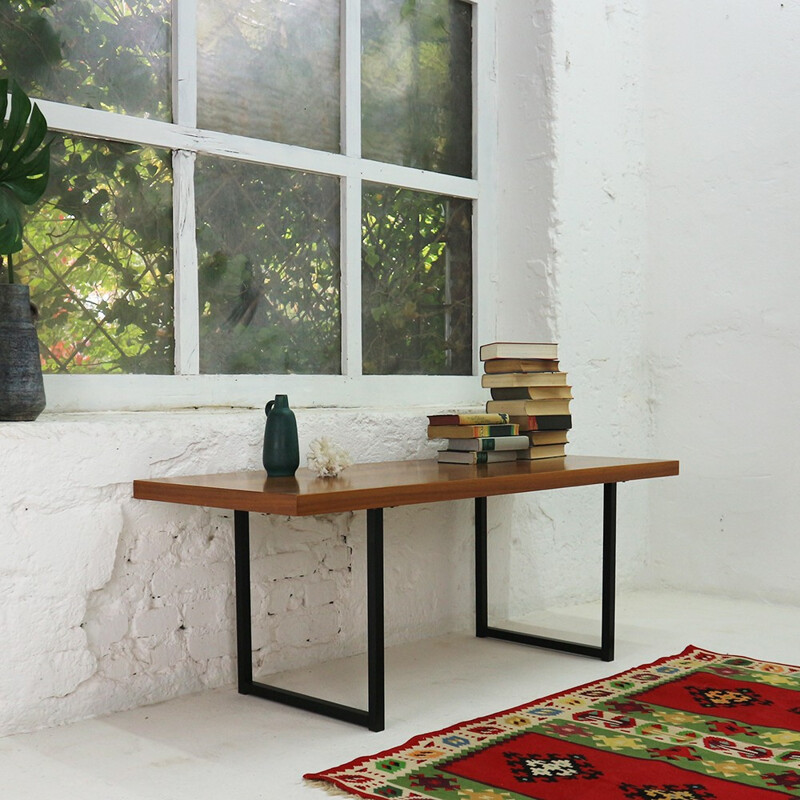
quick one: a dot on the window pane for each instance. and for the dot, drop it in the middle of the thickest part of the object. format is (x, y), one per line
(416, 283)
(107, 54)
(270, 69)
(98, 259)
(417, 84)
(268, 251)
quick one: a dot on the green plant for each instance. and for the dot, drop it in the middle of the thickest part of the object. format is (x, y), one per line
(24, 166)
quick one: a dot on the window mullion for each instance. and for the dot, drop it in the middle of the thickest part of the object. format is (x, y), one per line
(186, 293)
(351, 78)
(351, 189)
(184, 99)
(184, 59)
(351, 276)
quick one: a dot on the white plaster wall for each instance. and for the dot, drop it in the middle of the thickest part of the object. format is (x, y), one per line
(571, 240)
(723, 132)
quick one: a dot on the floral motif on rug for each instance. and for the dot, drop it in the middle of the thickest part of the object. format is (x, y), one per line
(694, 726)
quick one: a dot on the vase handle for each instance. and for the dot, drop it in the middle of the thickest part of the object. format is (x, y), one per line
(268, 407)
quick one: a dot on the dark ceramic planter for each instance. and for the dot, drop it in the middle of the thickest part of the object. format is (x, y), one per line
(21, 385)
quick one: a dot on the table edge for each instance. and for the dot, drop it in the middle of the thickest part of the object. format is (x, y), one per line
(170, 490)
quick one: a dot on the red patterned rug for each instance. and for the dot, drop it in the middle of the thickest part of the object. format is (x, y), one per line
(695, 726)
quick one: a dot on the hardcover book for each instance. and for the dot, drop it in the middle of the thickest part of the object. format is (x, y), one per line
(532, 393)
(528, 407)
(470, 431)
(543, 422)
(500, 365)
(490, 443)
(542, 451)
(536, 438)
(507, 379)
(519, 350)
(467, 419)
(473, 457)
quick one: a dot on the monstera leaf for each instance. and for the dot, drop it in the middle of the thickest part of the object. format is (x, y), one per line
(24, 162)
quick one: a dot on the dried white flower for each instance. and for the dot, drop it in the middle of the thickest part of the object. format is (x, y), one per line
(327, 458)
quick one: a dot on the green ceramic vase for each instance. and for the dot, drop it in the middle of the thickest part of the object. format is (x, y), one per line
(281, 456)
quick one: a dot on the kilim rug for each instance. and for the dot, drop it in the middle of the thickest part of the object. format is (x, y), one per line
(694, 726)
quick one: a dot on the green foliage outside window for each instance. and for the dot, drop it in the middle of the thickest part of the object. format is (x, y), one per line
(268, 253)
(416, 278)
(98, 249)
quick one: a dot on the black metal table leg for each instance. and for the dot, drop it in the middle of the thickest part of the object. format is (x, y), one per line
(609, 570)
(606, 649)
(481, 569)
(373, 718)
(244, 636)
(375, 663)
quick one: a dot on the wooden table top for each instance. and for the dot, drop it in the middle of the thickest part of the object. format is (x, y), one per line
(393, 483)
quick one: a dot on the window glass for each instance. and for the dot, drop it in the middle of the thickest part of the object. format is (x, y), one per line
(416, 283)
(268, 251)
(108, 54)
(417, 83)
(98, 248)
(98, 259)
(270, 69)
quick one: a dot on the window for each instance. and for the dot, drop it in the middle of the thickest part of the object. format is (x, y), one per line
(249, 188)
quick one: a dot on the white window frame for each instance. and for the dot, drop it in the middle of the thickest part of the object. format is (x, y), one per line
(187, 387)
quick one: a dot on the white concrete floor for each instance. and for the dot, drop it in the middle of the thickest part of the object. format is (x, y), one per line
(219, 744)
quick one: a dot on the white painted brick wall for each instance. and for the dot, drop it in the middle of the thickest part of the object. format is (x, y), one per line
(110, 602)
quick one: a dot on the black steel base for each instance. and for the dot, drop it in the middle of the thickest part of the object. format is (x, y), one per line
(372, 718)
(482, 628)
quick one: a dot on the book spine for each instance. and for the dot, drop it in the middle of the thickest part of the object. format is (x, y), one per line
(480, 431)
(530, 379)
(530, 407)
(532, 393)
(475, 457)
(524, 350)
(520, 365)
(490, 443)
(471, 431)
(544, 422)
(468, 419)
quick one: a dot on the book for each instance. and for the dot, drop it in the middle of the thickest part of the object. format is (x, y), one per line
(532, 393)
(470, 431)
(490, 443)
(542, 451)
(528, 407)
(501, 365)
(473, 457)
(467, 419)
(519, 350)
(506, 379)
(542, 422)
(537, 438)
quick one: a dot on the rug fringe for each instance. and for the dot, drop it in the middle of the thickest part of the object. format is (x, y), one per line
(331, 789)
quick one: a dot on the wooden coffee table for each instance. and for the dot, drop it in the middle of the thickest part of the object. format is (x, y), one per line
(373, 487)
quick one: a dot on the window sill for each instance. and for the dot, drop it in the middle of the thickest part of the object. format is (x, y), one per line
(77, 393)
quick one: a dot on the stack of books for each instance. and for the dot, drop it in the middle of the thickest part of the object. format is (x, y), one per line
(477, 438)
(527, 385)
